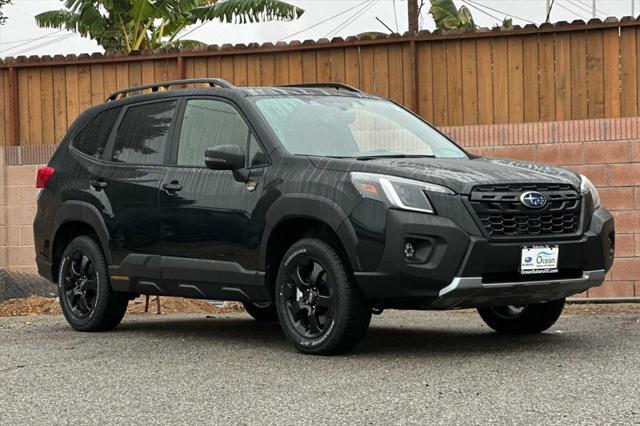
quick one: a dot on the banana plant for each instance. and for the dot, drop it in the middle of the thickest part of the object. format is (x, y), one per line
(448, 17)
(129, 25)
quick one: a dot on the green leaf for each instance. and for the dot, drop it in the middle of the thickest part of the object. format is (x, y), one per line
(241, 11)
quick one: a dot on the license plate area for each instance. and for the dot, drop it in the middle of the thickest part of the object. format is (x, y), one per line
(539, 260)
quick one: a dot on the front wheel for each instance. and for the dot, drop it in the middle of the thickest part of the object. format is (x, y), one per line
(528, 319)
(86, 298)
(320, 307)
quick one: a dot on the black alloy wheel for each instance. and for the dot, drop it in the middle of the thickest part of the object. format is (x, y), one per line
(320, 307)
(309, 297)
(80, 284)
(87, 300)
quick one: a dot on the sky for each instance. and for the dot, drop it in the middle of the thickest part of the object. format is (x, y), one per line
(322, 18)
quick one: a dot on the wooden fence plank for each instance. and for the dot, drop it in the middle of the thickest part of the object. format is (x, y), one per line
(47, 112)
(294, 60)
(531, 79)
(454, 83)
(501, 99)
(148, 73)
(122, 76)
(337, 65)
(200, 69)
(4, 120)
(563, 76)
(396, 76)
(595, 74)
(323, 65)
(35, 107)
(439, 67)
(59, 103)
(5, 99)
(546, 53)
(629, 72)
(71, 75)
(84, 87)
(381, 71)
(213, 67)
(281, 62)
(469, 82)
(240, 70)
(408, 74)
(425, 80)
(366, 69)
(516, 80)
(23, 107)
(611, 48)
(97, 84)
(253, 70)
(579, 104)
(352, 66)
(160, 71)
(226, 69)
(267, 70)
(485, 81)
(309, 68)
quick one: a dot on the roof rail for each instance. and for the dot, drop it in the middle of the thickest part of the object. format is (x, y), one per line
(337, 86)
(166, 84)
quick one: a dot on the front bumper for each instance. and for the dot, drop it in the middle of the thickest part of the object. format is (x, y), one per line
(457, 267)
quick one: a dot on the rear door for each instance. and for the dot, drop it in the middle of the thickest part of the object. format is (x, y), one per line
(135, 159)
(211, 223)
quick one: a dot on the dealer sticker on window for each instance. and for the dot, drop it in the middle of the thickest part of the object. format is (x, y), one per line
(539, 260)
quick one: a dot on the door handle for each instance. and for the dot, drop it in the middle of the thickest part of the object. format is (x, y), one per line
(98, 184)
(172, 187)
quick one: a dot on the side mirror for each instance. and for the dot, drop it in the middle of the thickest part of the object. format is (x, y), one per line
(224, 157)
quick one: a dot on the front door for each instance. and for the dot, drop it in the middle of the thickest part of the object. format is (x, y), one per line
(211, 222)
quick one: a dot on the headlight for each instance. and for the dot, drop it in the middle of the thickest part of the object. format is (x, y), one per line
(397, 192)
(586, 186)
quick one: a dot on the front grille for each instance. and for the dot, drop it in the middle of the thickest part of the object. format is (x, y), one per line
(501, 214)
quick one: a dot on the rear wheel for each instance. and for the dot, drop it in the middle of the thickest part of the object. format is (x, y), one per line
(262, 312)
(528, 319)
(87, 300)
(320, 308)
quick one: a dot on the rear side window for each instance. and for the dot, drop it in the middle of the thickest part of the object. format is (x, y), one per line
(143, 133)
(208, 123)
(92, 139)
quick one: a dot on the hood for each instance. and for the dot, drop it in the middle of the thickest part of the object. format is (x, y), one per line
(458, 174)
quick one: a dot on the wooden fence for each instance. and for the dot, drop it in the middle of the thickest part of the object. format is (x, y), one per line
(552, 72)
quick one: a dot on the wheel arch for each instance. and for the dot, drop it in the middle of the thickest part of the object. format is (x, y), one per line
(298, 217)
(75, 218)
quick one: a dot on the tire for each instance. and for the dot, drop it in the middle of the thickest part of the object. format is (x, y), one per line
(261, 312)
(529, 319)
(321, 309)
(86, 298)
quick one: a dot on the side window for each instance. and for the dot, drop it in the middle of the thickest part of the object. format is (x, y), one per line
(208, 123)
(143, 133)
(92, 139)
(257, 157)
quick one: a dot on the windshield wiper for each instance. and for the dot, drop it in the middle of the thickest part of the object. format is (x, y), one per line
(373, 157)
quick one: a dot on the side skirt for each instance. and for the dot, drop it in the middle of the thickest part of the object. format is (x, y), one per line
(190, 278)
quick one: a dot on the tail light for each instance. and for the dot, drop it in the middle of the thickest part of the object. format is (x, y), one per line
(44, 174)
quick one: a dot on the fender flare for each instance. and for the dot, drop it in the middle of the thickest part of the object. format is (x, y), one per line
(305, 206)
(81, 211)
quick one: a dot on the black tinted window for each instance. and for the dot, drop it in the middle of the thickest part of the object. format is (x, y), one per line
(208, 123)
(257, 157)
(93, 137)
(143, 133)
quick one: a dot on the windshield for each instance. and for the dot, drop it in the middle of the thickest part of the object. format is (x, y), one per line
(336, 126)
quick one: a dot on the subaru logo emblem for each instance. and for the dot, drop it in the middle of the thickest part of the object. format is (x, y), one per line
(533, 200)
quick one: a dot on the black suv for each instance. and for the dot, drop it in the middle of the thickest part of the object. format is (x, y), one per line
(315, 205)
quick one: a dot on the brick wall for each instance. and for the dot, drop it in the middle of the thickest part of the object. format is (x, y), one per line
(605, 150)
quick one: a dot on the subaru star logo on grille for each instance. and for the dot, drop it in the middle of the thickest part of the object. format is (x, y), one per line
(533, 200)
